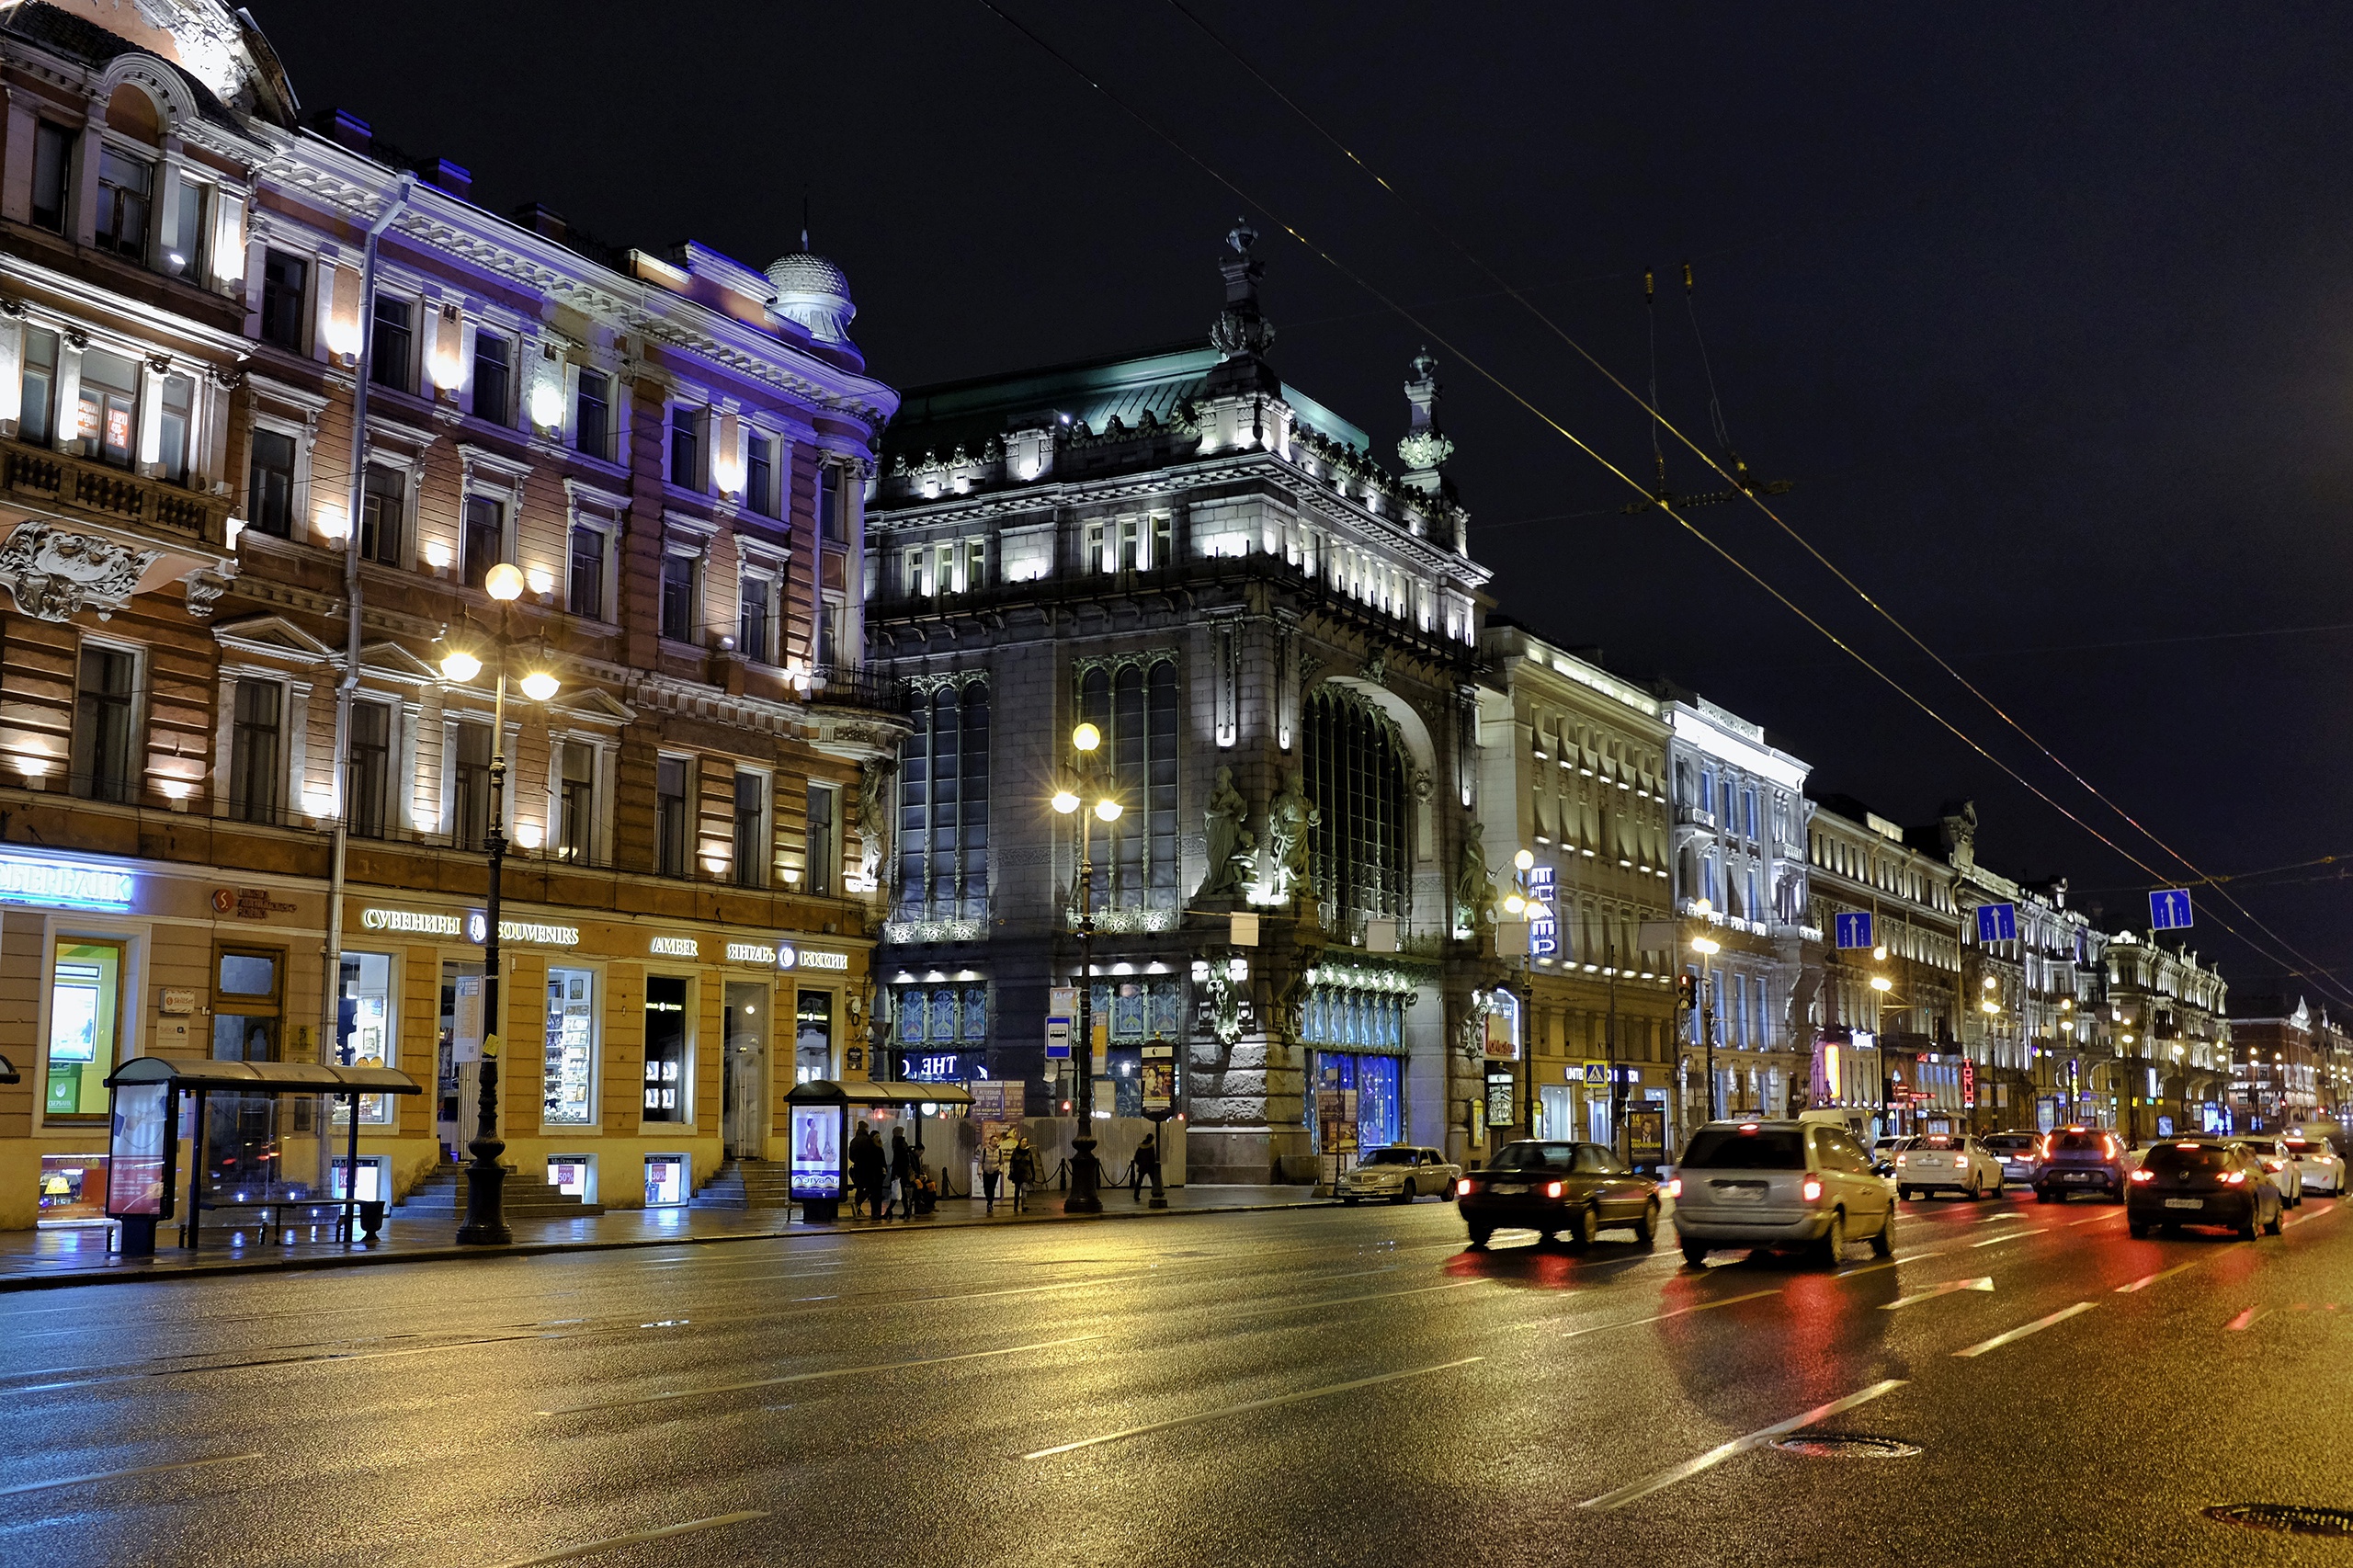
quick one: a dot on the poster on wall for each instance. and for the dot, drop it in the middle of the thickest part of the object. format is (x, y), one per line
(139, 1171)
(816, 1152)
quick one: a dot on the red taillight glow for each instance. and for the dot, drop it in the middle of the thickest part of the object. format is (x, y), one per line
(2192, 1147)
(2144, 1176)
(2273, 1164)
(1812, 1189)
(1748, 1127)
(1675, 1187)
(1900, 1159)
(2236, 1178)
(2106, 1147)
(1551, 1189)
(1462, 1187)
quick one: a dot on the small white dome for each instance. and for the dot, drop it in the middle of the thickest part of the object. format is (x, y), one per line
(811, 291)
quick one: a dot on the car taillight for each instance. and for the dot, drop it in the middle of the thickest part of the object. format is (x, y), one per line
(1675, 1187)
(1900, 1159)
(1551, 1189)
(2273, 1164)
(2236, 1178)
(1462, 1187)
(2107, 1148)
(1812, 1189)
(2144, 1176)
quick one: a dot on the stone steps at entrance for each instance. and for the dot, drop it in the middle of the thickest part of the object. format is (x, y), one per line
(442, 1193)
(746, 1184)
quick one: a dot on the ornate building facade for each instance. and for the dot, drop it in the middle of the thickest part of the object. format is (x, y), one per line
(242, 799)
(1276, 639)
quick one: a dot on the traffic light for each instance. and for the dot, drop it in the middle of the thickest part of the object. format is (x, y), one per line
(1686, 991)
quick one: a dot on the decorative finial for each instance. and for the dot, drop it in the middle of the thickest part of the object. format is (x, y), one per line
(1240, 329)
(1424, 446)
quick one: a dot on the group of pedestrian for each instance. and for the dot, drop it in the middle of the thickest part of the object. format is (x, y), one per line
(886, 1181)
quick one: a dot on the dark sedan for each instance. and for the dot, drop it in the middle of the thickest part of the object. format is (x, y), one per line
(1565, 1190)
(2201, 1182)
(2079, 1159)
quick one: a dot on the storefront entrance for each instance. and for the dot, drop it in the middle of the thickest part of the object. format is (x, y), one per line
(746, 1086)
(241, 1132)
(458, 1056)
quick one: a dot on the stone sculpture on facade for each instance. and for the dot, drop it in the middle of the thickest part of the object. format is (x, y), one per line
(1232, 848)
(1474, 895)
(874, 817)
(1289, 818)
(54, 575)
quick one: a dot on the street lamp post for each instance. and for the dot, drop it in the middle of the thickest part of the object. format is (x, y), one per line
(485, 1219)
(1706, 946)
(1085, 740)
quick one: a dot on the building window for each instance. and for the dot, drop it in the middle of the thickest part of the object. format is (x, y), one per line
(592, 415)
(284, 280)
(587, 589)
(577, 805)
(184, 235)
(105, 766)
(570, 1085)
(470, 780)
(370, 786)
(384, 503)
(485, 539)
(125, 196)
(1355, 778)
(174, 421)
(759, 473)
(393, 356)
(832, 525)
(85, 1026)
(493, 377)
(52, 175)
(364, 1034)
(666, 1079)
(269, 501)
(680, 576)
(1136, 858)
(825, 844)
(686, 446)
(255, 775)
(108, 421)
(756, 618)
(944, 808)
(751, 828)
(830, 631)
(39, 394)
(671, 817)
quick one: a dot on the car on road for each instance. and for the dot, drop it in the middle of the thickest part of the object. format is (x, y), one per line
(2202, 1181)
(1884, 1151)
(1779, 1184)
(1400, 1173)
(2286, 1170)
(2318, 1165)
(1557, 1189)
(2018, 1153)
(2080, 1159)
(1947, 1162)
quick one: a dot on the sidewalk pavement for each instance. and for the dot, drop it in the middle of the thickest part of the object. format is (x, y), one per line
(36, 1260)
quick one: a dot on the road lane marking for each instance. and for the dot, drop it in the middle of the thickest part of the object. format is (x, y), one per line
(1343, 1301)
(2146, 1280)
(119, 1474)
(590, 1547)
(2014, 1335)
(814, 1377)
(1610, 1501)
(2093, 1219)
(2013, 1236)
(1030, 1290)
(1982, 1282)
(333, 1360)
(2245, 1318)
(1249, 1405)
(1679, 1311)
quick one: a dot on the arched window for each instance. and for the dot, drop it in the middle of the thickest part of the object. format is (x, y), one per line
(1135, 858)
(943, 844)
(1355, 776)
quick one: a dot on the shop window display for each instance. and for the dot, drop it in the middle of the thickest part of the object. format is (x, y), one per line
(666, 1051)
(72, 1189)
(364, 1029)
(665, 1180)
(570, 1082)
(84, 1023)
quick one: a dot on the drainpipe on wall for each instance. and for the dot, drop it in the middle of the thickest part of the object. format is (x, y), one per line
(332, 992)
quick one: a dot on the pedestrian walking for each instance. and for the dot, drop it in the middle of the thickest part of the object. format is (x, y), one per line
(872, 1177)
(902, 1174)
(1025, 1170)
(1143, 1167)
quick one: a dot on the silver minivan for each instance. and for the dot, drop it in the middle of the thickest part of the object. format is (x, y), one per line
(1779, 1184)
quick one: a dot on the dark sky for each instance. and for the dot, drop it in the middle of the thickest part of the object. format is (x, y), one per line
(2044, 309)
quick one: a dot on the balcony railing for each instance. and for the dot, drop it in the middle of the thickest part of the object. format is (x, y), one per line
(855, 686)
(111, 495)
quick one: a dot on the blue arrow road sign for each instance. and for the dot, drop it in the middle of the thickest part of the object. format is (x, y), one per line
(2169, 910)
(1854, 930)
(1997, 922)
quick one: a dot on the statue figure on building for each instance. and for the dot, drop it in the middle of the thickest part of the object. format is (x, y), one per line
(1289, 818)
(1474, 895)
(1232, 848)
(874, 817)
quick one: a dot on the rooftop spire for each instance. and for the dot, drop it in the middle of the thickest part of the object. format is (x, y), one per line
(1424, 446)
(1240, 328)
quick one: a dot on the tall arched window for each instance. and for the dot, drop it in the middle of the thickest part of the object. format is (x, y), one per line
(1134, 703)
(943, 844)
(1354, 776)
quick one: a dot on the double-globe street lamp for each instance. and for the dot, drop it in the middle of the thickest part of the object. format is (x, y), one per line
(485, 1219)
(1086, 778)
(1707, 947)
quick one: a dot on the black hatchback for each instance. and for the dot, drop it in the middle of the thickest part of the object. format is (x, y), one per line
(1563, 1191)
(2079, 1159)
(2205, 1181)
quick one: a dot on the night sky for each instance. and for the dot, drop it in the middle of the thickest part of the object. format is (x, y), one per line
(2043, 309)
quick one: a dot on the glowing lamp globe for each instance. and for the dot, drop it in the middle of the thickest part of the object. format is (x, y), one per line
(504, 582)
(460, 665)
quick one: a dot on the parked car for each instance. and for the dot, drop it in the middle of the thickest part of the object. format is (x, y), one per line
(2286, 1171)
(1400, 1173)
(2080, 1159)
(2202, 1181)
(2318, 1165)
(1557, 1189)
(1883, 1152)
(1947, 1162)
(1778, 1184)
(2017, 1151)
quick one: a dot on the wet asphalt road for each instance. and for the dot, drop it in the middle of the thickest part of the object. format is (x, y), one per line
(1334, 1386)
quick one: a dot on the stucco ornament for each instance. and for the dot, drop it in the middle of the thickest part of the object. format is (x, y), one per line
(54, 575)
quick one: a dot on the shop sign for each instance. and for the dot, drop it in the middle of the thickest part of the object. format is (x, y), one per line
(535, 931)
(788, 957)
(61, 883)
(1543, 929)
(176, 999)
(667, 946)
(936, 1067)
(247, 904)
(415, 922)
(759, 953)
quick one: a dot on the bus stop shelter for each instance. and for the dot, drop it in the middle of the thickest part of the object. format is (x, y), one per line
(818, 1115)
(143, 1153)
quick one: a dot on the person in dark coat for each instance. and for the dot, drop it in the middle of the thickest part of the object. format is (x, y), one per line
(903, 1173)
(1145, 1167)
(869, 1176)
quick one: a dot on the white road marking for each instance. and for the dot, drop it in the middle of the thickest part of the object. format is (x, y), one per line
(1030, 1290)
(1250, 1405)
(2014, 1335)
(2240, 1323)
(1982, 1282)
(118, 1474)
(1343, 1301)
(2095, 1220)
(2013, 1236)
(1609, 1501)
(1679, 1311)
(2148, 1279)
(814, 1377)
(590, 1547)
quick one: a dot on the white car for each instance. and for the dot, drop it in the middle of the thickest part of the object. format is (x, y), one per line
(1947, 1162)
(2286, 1171)
(1400, 1173)
(2319, 1167)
